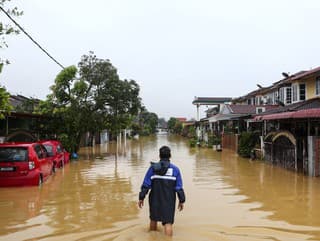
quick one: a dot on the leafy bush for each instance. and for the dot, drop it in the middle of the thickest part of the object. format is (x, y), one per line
(247, 142)
(214, 140)
(193, 142)
(192, 132)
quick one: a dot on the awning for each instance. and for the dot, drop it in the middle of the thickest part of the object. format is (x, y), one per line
(307, 113)
(221, 117)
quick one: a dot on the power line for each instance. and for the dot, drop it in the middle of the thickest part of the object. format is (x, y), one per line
(35, 42)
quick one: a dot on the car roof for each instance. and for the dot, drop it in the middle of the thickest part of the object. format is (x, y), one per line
(49, 142)
(16, 144)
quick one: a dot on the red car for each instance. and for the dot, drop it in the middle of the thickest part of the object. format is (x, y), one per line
(24, 164)
(55, 150)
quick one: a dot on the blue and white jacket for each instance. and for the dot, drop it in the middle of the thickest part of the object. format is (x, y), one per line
(165, 181)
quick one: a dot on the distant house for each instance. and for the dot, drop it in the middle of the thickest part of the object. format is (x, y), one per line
(287, 116)
(294, 88)
(290, 134)
(21, 124)
(181, 119)
(233, 118)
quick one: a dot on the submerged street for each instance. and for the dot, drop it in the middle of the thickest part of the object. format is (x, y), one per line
(227, 198)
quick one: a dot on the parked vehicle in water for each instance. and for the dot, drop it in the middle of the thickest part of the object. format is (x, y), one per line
(23, 164)
(55, 150)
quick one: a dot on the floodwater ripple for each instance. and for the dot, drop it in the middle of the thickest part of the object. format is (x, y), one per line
(228, 198)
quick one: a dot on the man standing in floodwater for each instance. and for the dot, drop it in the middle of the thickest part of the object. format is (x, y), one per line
(165, 181)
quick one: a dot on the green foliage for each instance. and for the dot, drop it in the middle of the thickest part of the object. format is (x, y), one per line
(178, 127)
(193, 142)
(5, 106)
(171, 124)
(67, 142)
(136, 128)
(148, 122)
(7, 29)
(95, 100)
(214, 140)
(175, 126)
(247, 142)
(189, 131)
(192, 131)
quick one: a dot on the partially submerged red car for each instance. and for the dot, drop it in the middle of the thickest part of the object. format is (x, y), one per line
(55, 150)
(23, 164)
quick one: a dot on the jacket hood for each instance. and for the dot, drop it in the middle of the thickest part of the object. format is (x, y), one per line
(161, 167)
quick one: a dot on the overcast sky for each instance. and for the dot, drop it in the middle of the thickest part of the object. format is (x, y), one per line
(174, 49)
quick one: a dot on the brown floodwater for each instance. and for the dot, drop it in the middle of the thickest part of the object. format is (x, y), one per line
(228, 198)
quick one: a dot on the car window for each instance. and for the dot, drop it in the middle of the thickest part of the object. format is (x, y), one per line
(38, 151)
(59, 149)
(49, 149)
(44, 152)
(14, 154)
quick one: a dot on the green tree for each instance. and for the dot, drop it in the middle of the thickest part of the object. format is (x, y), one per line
(247, 141)
(178, 127)
(5, 106)
(148, 122)
(172, 123)
(95, 100)
(6, 28)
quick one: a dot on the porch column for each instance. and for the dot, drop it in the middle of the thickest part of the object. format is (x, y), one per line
(198, 120)
(198, 116)
(311, 156)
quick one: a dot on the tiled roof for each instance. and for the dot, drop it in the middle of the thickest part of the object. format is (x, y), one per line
(249, 109)
(17, 100)
(303, 105)
(302, 74)
(299, 75)
(181, 119)
(300, 114)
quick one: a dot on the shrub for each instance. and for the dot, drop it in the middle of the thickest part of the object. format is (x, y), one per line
(192, 132)
(213, 140)
(247, 142)
(193, 142)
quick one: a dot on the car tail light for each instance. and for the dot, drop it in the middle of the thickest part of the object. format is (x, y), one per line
(31, 165)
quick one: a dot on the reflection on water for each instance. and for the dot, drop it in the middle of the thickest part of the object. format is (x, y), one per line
(228, 198)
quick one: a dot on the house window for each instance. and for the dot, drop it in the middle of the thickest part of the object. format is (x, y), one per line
(275, 97)
(285, 95)
(260, 110)
(288, 95)
(318, 85)
(258, 100)
(295, 89)
(281, 95)
(302, 91)
(270, 99)
(298, 92)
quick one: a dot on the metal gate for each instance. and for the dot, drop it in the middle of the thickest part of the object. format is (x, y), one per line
(284, 153)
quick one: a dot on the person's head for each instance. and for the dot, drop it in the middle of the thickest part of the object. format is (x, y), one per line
(165, 152)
